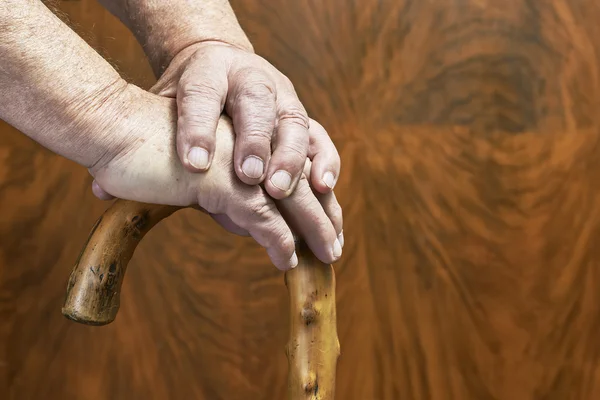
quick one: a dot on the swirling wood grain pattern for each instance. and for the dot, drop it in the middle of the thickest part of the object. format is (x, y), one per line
(470, 143)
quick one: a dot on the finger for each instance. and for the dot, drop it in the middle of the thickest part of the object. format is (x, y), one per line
(201, 96)
(333, 210)
(306, 217)
(330, 205)
(325, 158)
(261, 218)
(227, 224)
(291, 146)
(100, 193)
(251, 105)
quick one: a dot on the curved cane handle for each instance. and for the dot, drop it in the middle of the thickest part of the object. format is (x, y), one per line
(94, 288)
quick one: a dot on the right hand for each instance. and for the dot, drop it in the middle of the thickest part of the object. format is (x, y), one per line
(147, 169)
(273, 130)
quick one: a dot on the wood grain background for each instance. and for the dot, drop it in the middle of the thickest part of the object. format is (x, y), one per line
(469, 135)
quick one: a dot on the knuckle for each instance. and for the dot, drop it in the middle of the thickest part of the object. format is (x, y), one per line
(190, 92)
(303, 192)
(257, 135)
(294, 114)
(298, 151)
(293, 156)
(261, 210)
(336, 213)
(256, 92)
(288, 244)
(255, 123)
(282, 240)
(256, 118)
(276, 234)
(196, 124)
(254, 84)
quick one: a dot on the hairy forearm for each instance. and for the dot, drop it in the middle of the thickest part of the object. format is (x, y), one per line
(55, 88)
(164, 28)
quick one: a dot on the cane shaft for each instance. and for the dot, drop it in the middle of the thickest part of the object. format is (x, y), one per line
(313, 348)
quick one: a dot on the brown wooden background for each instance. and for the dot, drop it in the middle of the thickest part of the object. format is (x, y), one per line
(471, 187)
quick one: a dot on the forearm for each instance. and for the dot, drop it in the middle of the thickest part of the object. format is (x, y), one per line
(164, 28)
(55, 88)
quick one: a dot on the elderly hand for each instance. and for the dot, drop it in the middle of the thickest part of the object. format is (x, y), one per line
(147, 169)
(211, 77)
(126, 136)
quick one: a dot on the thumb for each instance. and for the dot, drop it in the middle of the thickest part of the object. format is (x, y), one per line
(100, 193)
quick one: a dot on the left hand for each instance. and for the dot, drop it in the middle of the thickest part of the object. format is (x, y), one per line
(316, 217)
(146, 168)
(273, 138)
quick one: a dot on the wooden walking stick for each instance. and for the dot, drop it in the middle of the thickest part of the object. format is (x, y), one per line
(94, 288)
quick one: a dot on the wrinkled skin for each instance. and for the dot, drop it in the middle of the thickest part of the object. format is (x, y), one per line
(127, 137)
(273, 130)
(149, 170)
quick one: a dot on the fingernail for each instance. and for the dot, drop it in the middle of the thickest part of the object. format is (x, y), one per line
(294, 260)
(253, 167)
(341, 238)
(281, 180)
(337, 249)
(329, 179)
(198, 157)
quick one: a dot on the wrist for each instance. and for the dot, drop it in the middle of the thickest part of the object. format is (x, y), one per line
(165, 29)
(167, 50)
(123, 120)
(55, 88)
(104, 122)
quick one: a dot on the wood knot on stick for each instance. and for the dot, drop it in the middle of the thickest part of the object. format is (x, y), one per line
(309, 314)
(312, 386)
(137, 225)
(140, 221)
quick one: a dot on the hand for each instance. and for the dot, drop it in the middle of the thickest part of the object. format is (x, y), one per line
(210, 77)
(147, 169)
